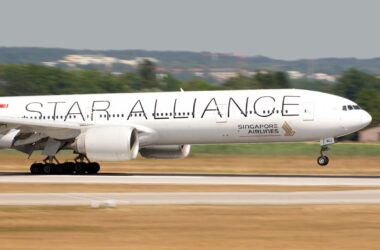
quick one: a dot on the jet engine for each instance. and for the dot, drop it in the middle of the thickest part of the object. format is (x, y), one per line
(165, 152)
(111, 143)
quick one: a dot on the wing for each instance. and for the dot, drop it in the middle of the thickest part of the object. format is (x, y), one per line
(51, 136)
(54, 129)
(29, 135)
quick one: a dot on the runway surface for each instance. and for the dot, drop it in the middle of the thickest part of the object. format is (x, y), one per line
(194, 198)
(188, 179)
(190, 198)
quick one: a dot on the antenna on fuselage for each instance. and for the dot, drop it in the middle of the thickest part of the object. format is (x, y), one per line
(182, 90)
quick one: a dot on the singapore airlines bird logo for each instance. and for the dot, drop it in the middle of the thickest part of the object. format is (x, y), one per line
(288, 130)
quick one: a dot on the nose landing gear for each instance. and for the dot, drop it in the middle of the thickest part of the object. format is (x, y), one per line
(323, 160)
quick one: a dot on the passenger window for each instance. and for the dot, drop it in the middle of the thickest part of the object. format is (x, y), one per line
(344, 108)
(356, 107)
(350, 107)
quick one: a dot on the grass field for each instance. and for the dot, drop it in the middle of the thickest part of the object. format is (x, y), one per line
(191, 227)
(272, 149)
(340, 149)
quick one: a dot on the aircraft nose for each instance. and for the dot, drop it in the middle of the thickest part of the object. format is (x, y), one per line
(366, 118)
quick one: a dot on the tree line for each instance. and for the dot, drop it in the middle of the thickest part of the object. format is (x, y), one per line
(25, 79)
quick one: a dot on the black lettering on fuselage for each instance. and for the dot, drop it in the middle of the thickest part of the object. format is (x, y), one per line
(96, 108)
(140, 110)
(245, 113)
(158, 117)
(195, 101)
(177, 115)
(30, 109)
(285, 103)
(75, 112)
(257, 101)
(55, 108)
(214, 109)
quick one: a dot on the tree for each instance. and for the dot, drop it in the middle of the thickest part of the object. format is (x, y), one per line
(241, 82)
(369, 100)
(147, 74)
(272, 80)
(352, 82)
(169, 83)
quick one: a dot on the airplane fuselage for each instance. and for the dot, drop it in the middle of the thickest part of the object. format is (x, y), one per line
(202, 117)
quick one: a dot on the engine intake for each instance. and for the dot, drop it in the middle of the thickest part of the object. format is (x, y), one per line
(166, 152)
(116, 143)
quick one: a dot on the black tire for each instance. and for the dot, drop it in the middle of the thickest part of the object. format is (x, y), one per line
(59, 169)
(93, 168)
(80, 168)
(327, 160)
(48, 168)
(323, 161)
(36, 168)
(68, 167)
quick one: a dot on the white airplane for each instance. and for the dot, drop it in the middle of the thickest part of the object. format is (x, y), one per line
(117, 127)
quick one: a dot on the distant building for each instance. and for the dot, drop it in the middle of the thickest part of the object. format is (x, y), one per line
(223, 76)
(83, 60)
(370, 135)
(295, 74)
(323, 77)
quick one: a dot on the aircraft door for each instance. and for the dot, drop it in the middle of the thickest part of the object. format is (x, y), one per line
(308, 111)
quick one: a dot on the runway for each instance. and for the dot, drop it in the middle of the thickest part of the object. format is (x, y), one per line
(190, 198)
(189, 179)
(193, 198)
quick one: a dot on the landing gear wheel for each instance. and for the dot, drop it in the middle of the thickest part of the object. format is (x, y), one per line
(68, 167)
(323, 160)
(80, 168)
(59, 169)
(36, 168)
(48, 168)
(93, 168)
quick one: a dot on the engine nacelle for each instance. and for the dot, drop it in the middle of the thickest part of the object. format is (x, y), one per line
(166, 151)
(112, 143)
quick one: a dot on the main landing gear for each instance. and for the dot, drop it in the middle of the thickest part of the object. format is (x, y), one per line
(52, 166)
(323, 160)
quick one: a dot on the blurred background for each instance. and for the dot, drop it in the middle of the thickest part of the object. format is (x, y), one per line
(53, 47)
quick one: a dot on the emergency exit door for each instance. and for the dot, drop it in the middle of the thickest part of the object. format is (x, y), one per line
(308, 111)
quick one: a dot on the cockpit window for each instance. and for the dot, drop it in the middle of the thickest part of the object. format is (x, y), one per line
(350, 107)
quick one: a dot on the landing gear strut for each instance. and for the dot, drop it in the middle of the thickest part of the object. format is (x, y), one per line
(51, 165)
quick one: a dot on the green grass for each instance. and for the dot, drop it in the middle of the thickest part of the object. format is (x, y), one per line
(351, 149)
(287, 149)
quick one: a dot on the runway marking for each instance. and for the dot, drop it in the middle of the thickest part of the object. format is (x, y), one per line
(192, 198)
(349, 181)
